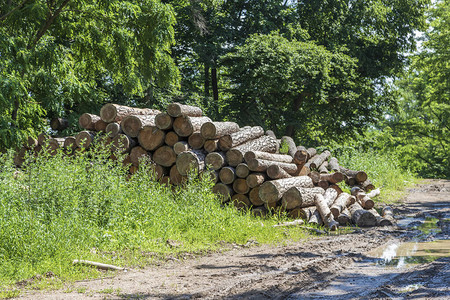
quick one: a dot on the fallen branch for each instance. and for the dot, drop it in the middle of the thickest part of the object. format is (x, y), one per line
(96, 264)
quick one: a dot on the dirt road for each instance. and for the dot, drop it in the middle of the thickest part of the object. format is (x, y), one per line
(406, 261)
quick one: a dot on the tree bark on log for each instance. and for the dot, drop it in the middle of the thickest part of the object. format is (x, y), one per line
(115, 112)
(315, 217)
(334, 164)
(196, 140)
(264, 143)
(175, 177)
(362, 217)
(100, 126)
(163, 121)
(380, 220)
(185, 126)
(323, 169)
(180, 147)
(123, 143)
(272, 191)
(131, 125)
(344, 217)
(359, 176)
(271, 134)
(227, 175)
(171, 138)
(388, 213)
(300, 197)
(165, 156)
(292, 148)
(256, 179)
(303, 171)
(70, 143)
(224, 191)
(240, 201)
(84, 139)
(113, 129)
(151, 138)
(325, 212)
(229, 141)
(267, 156)
(42, 138)
(59, 124)
(315, 176)
(31, 143)
(318, 160)
(332, 178)
(373, 193)
(191, 160)
(367, 185)
(342, 201)
(139, 154)
(215, 130)
(261, 165)
(362, 198)
(330, 195)
(277, 172)
(177, 110)
(308, 163)
(253, 195)
(87, 121)
(240, 186)
(323, 184)
(216, 160)
(211, 145)
(242, 170)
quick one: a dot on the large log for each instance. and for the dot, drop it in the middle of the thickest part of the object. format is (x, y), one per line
(211, 174)
(159, 171)
(84, 139)
(181, 146)
(139, 154)
(42, 138)
(177, 110)
(70, 143)
(277, 172)
(302, 155)
(131, 125)
(211, 145)
(315, 176)
(163, 121)
(292, 148)
(227, 175)
(253, 195)
(242, 170)
(362, 217)
(336, 188)
(332, 177)
(87, 121)
(215, 130)
(171, 138)
(115, 112)
(224, 191)
(300, 197)
(185, 126)
(191, 160)
(229, 141)
(59, 124)
(196, 140)
(256, 179)
(267, 156)
(325, 212)
(150, 137)
(323, 184)
(100, 126)
(318, 160)
(344, 217)
(342, 201)
(261, 165)
(272, 191)
(271, 133)
(359, 176)
(175, 177)
(122, 143)
(380, 220)
(240, 186)
(260, 211)
(315, 217)
(31, 143)
(334, 164)
(388, 213)
(113, 129)
(330, 195)
(323, 169)
(165, 156)
(264, 143)
(215, 160)
(240, 201)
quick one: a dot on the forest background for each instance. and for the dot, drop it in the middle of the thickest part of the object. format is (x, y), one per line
(359, 74)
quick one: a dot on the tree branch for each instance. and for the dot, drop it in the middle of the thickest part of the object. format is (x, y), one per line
(2, 18)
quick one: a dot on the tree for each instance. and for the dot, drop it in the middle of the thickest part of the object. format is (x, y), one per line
(61, 58)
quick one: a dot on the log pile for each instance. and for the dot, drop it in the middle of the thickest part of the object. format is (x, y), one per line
(245, 163)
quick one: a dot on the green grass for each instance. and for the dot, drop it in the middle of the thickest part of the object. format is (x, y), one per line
(59, 209)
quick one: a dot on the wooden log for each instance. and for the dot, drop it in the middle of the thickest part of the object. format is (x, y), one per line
(323, 169)
(271, 133)
(300, 197)
(191, 160)
(59, 124)
(196, 140)
(267, 156)
(362, 198)
(373, 193)
(229, 141)
(131, 125)
(163, 121)
(302, 155)
(175, 177)
(123, 143)
(84, 139)
(325, 212)
(318, 160)
(70, 142)
(308, 163)
(100, 126)
(215, 130)
(330, 195)
(297, 213)
(315, 176)
(336, 188)
(292, 148)
(180, 147)
(31, 143)
(139, 154)
(240, 186)
(264, 143)
(177, 110)
(115, 113)
(359, 176)
(362, 217)
(240, 201)
(261, 165)
(227, 175)
(303, 171)
(159, 171)
(253, 195)
(211, 145)
(165, 180)
(242, 170)
(42, 138)
(344, 217)
(272, 191)
(171, 138)
(165, 156)
(380, 220)
(97, 265)
(87, 121)
(334, 164)
(277, 172)
(215, 160)
(342, 201)
(332, 177)
(224, 191)
(256, 179)
(150, 137)
(133, 169)
(315, 217)
(113, 129)
(185, 126)
(54, 144)
(260, 211)
(211, 174)
(323, 184)
(351, 181)
(388, 213)
(367, 185)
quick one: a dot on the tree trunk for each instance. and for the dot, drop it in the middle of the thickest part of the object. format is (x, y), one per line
(325, 212)
(227, 175)
(163, 121)
(300, 197)
(254, 196)
(316, 162)
(215, 160)
(180, 147)
(292, 148)
(59, 124)
(272, 191)
(185, 126)
(215, 130)
(122, 143)
(229, 141)
(264, 143)
(330, 195)
(138, 154)
(171, 138)
(175, 177)
(256, 179)
(211, 145)
(261, 165)
(113, 129)
(87, 121)
(240, 186)
(179, 110)
(277, 172)
(333, 177)
(215, 89)
(115, 112)
(100, 126)
(150, 137)
(191, 160)
(206, 84)
(240, 201)
(131, 125)
(165, 156)
(342, 201)
(224, 191)
(196, 140)
(267, 156)
(242, 170)
(84, 139)
(362, 217)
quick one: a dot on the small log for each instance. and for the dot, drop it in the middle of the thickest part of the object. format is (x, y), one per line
(315, 217)
(362, 197)
(115, 112)
(131, 125)
(288, 224)
(359, 176)
(171, 138)
(308, 163)
(272, 191)
(267, 156)
(165, 180)
(330, 195)
(227, 175)
(373, 193)
(70, 142)
(31, 143)
(165, 156)
(315, 176)
(334, 164)
(260, 211)
(240, 201)
(349, 180)
(336, 188)
(277, 172)
(224, 191)
(323, 184)
(344, 217)
(271, 134)
(84, 139)
(297, 213)
(139, 154)
(191, 160)
(215, 160)
(318, 160)
(215, 130)
(303, 171)
(253, 195)
(159, 171)
(300, 197)
(180, 147)
(150, 137)
(211, 174)
(323, 169)
(362, 217)
(367, 185)
(240, 186)
(87, 121)
(380, 220)
(113, 129)
(177, 110)
(325, 212)
(264, 143)
(100, 126)
(163, 121)
(256, 179)
(261, 165)
(42, 138)
(229, 141)
(332, 177)
(59, 124)
(292, 148)
(388, 213)
(300, 156)
(342, 201)
(123, 143)
(54, 144)
(185, 126)
(97, 265)
(242, 170)
(133, 169)
(175, 177)
(211, 145)
(196, 140)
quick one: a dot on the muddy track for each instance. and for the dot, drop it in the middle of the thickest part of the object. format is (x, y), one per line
(341, 267)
